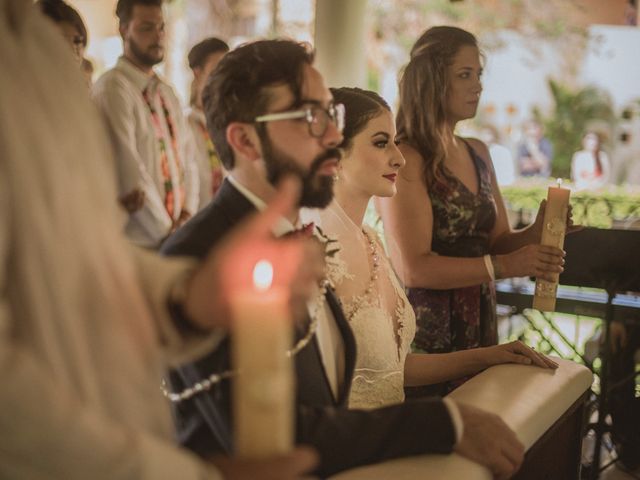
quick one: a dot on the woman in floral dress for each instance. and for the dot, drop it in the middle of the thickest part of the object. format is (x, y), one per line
(447, 228)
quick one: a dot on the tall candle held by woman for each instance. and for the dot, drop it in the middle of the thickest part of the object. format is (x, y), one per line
(263, 387)
(553, 232)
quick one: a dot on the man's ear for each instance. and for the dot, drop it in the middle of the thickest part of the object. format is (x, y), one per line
(244, 141)
(122, 28)
(197, 72)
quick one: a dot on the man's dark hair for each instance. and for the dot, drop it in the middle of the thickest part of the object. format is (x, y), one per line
(200, 51)
(236, 90)
(61, 12)
(124, 8)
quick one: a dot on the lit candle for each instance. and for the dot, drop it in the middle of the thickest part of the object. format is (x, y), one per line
(263, 387)
(553, 231)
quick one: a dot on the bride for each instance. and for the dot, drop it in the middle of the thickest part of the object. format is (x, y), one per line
(373, 300)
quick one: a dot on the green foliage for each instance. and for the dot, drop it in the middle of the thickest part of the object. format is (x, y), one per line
(603, 208)
(574, 110)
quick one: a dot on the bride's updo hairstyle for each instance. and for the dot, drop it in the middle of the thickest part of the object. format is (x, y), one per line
(360, 107)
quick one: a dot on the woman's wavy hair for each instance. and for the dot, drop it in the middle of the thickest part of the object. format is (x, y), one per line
(360, 107)
(421, 119)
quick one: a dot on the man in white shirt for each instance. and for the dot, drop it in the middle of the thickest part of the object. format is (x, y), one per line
(157, 174)
(269, 113)
(203, 59)
(88, 322)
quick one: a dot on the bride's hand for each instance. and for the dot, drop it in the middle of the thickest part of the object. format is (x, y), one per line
(516, 352)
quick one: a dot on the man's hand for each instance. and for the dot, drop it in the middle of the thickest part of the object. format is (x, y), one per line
(298, 263)
(132, 201)
(182, 219)
(285, 467)
(487, 440)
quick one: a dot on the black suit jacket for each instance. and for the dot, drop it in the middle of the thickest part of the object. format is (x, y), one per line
(344, 438)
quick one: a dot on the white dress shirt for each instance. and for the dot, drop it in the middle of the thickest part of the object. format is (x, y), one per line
(328, 334)
(119, 95)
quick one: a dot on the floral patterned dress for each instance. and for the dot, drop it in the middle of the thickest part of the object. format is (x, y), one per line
(458, 318)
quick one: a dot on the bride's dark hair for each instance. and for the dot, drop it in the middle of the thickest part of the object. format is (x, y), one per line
(360, 107)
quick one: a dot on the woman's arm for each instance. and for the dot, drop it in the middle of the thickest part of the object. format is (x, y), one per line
(430, 368)
(408, 225)
(503, 238)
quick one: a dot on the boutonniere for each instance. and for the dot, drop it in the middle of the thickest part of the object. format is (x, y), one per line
(331, 246)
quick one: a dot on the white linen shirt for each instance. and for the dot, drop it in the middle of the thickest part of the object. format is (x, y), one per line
(118, 94)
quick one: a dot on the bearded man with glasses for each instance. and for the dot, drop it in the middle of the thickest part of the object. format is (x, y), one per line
(269, 114)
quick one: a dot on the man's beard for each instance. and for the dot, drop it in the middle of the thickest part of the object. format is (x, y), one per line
(317, 190)
(143, 57)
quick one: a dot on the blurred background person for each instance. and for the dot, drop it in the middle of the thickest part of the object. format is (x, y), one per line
(70, 24)
(88, 323)
(203, 59)
(500, 155)
(590, 167)
(158, 178)
(534, 152)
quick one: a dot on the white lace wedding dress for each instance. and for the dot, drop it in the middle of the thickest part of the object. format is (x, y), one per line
(375, 305)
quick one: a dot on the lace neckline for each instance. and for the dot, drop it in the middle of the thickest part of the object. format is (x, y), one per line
(366, 238)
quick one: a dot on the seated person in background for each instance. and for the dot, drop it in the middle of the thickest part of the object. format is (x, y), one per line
(269, 113)
(590, 167)
(85, 319)
(535, 152)
(374, 303)
(203, 59)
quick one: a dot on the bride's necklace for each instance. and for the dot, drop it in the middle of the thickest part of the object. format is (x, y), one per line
(372, 251)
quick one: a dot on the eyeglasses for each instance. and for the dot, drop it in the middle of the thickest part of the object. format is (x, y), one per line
(317, 118)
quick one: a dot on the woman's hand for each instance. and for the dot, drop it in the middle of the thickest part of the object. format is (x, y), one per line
(534, 260)
(537, 225)
(515, 352)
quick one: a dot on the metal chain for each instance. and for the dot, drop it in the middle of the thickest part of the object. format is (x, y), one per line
(215, 378)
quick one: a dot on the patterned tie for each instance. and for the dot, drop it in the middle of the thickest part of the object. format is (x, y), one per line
(169, 188)
(214, 161)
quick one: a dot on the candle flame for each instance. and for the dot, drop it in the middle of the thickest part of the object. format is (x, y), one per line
(559, 182)
(262, 275)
